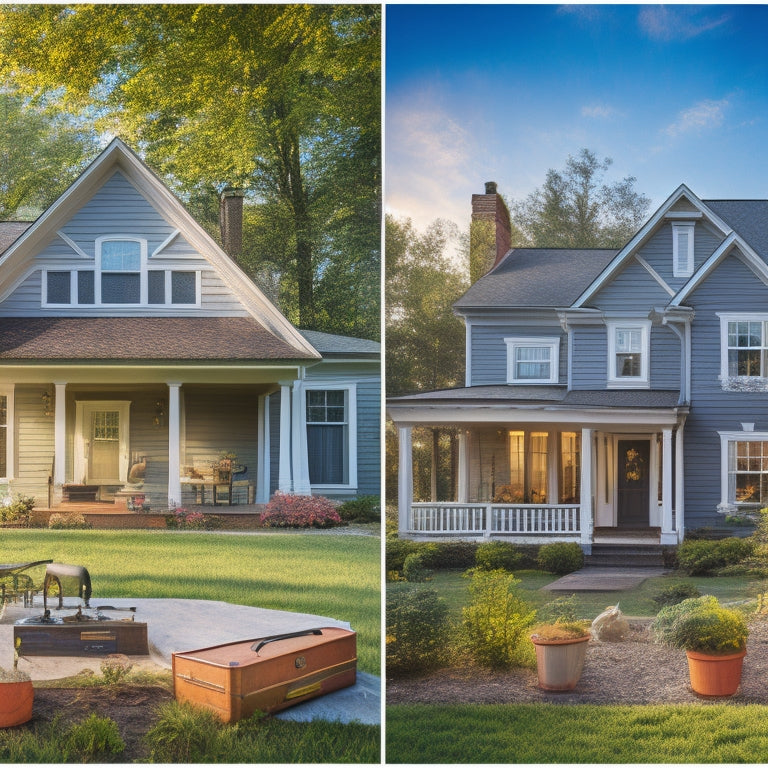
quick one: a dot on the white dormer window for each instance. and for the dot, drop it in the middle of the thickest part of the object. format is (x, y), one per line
(120, 262)
(629, 353)
(682, 250)
(533, 360)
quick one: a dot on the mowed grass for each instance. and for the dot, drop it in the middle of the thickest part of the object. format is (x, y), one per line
(337, 576)
(452, 586)
(546, 733)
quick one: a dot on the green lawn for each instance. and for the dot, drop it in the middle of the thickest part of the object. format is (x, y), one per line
(452, 586)
(546, 733)
(330, 575)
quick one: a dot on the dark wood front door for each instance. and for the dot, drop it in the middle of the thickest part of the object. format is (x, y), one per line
(633, 486)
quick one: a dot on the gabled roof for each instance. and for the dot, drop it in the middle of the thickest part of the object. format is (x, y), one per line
(117, 156)
(329, 344)
(747, 217)
(537, 277)
(10, 231)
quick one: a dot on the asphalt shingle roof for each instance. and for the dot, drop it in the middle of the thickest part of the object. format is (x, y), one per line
(538, 277)
(331, 344)
(10, 231)
(140, 338)
(748, 218)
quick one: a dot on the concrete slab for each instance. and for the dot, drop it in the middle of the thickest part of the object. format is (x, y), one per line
(175, 625)
(603, 579)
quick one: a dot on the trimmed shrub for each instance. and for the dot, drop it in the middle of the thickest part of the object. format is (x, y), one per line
(497, 555)
(417, 630)
(458, 555)
(96, 739)
(667, 616)
(288, 510)
(561, 557)
(558, 610)
(676, 593)
(363, 509)
(18, 510)
(414, 568)
(701, 557)
(68, 521)
(397, 550)
(496, 621)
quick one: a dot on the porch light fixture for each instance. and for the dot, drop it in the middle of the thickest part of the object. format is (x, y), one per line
(46, 398)
(159, 418)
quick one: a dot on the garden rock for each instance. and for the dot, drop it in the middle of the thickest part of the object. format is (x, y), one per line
(610, 626)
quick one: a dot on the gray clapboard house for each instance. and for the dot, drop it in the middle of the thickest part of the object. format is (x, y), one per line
(608, 391)
(135, 355)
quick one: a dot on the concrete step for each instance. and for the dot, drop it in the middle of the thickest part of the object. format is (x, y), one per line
(625, 556)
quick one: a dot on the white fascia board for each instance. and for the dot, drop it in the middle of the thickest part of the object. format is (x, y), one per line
(646, 420)
(749, 257)
(645, 231)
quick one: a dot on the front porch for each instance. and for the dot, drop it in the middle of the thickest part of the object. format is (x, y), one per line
(538, 477)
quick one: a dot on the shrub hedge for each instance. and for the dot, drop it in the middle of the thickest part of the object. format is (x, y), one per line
(702, 557)
(561, 557)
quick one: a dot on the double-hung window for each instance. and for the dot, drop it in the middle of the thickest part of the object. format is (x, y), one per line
(745, 469)
(682, 250)
(120, 271)
(533, 360)
(331, 439)
(744, 342)
(628, 353)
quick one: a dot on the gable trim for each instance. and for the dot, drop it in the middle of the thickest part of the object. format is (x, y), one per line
(73, 245)
(160, 248)
(746, 255)
(645, 231)
(654, 274)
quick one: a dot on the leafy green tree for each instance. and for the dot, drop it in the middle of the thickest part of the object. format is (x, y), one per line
(280, 100)
(576, 208)
(40, 155)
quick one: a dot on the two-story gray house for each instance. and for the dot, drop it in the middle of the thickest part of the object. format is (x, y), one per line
(135, 356)
(608, 391)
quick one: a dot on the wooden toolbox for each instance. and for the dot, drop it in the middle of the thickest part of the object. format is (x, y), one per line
(266, 674)
(88, 638)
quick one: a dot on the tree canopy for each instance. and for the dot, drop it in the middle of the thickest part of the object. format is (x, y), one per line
(576, 208)
(280, 100)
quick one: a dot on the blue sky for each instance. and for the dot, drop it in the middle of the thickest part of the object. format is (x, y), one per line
(673, 94)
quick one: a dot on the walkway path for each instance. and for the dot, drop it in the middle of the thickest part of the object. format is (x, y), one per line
(594, 579)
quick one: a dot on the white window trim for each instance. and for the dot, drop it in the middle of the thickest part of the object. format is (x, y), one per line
(735, 317)
(733, 437)
(629, 382)
(553, 342)
(351, 402)
(677, 230)
(10, 439)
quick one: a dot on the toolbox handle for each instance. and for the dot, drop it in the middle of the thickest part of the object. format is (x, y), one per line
(258, 646)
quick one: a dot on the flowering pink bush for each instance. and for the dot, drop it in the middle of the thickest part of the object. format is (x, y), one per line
(287, 510)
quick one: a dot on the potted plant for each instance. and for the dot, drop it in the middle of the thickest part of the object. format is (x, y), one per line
(714, 639)
(16, 693)
(561, 648)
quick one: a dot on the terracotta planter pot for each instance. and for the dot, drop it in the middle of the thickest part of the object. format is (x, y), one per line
(15, 702)
(715, 675)
(559, 662)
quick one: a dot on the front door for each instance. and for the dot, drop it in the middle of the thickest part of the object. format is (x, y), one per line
(633, 483)
(101, 442)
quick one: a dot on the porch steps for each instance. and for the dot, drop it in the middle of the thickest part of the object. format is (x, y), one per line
(625, 556)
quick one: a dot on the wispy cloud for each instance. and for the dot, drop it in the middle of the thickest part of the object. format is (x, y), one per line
(669, 23)
(599, 111)
(705, 114)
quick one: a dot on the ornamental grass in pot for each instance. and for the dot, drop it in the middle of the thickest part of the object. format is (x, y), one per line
(714, 638)
(561, 648)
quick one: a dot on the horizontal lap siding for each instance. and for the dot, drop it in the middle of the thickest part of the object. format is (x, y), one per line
(118, 209)
(732, 287)
(34, 438)
(666, 358)
(489, 351)
(369, 437)
(633, 288)
(590, 357)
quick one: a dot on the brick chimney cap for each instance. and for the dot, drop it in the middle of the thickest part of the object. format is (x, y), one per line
(490, 187)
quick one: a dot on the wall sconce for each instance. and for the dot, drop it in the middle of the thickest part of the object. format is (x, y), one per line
(159, 418)
(46, 398)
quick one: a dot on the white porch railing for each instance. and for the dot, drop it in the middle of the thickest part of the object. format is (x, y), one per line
(475, 519)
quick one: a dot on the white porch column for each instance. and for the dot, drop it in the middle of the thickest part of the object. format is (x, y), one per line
(263, 452)
(587, 513)
(299, 441)
(404, 479)
(284, 471)
(679, 485)
(174, 444)
(462, 490)
(668, 535)
(60, 435)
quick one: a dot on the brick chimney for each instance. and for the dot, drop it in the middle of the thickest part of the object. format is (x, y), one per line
(490, 231)
(231, 221)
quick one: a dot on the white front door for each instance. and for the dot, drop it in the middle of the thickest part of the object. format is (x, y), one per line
(101, 441)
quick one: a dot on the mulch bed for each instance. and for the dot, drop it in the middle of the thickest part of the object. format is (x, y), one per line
(634, 671)
(131, 706)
